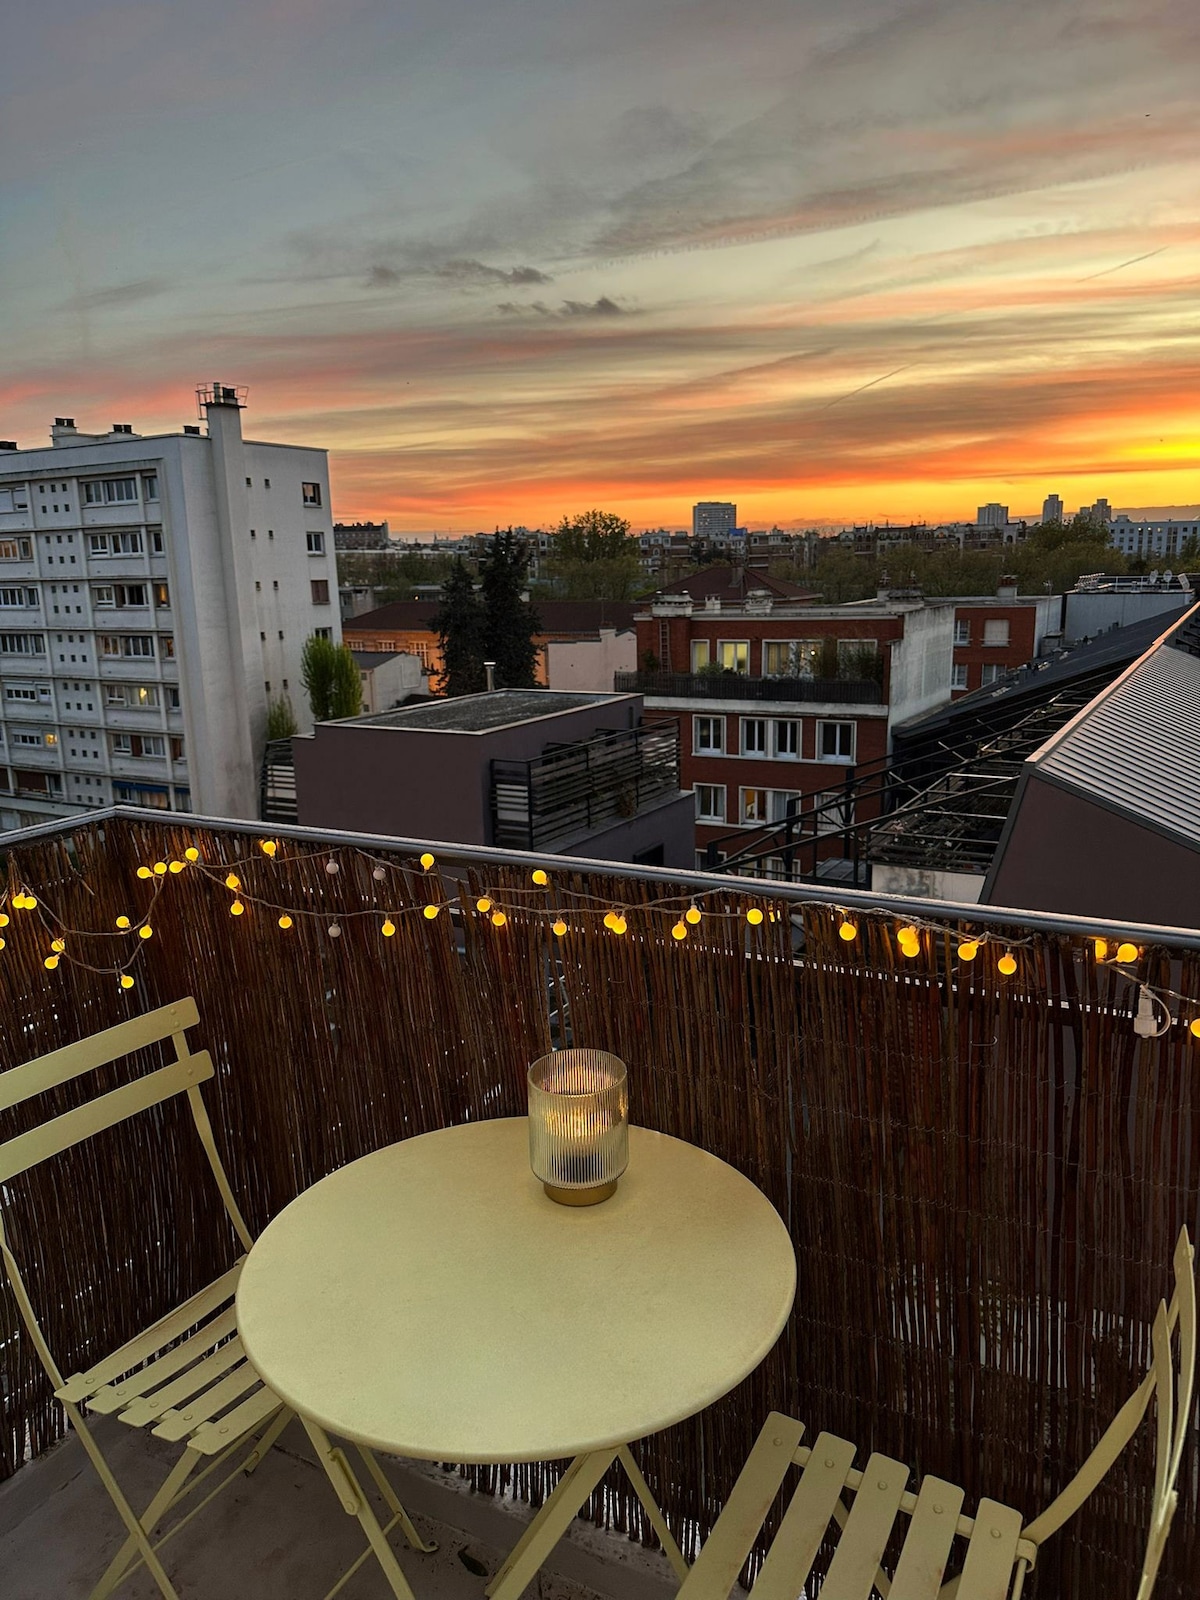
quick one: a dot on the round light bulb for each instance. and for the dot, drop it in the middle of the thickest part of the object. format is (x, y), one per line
(610, 921)
(1101, 948)
(267, 846)
(177, 866)
(908, 935)
(1007, 964)
(58, 944)
(126, 981)
(236, 909)
(430, 912)
(558, 927)
(379, 874)
(692, 915)
(1194, 1027)
(968, 950)
(50, 963)
(1127, 951)
(144, 872)
(541, 876)
(388, 928)
(498, 919)
(331, 867)
(190, 854)
(146, 931)
(848, 931)
(483, 903)
(3, 942)
(160, 869)
(122, 922)
(335, 931)
(754, 916)
(679, 931)
(233, 881)
(285, 921)
(4, 919)
(427, 861)
(31, 902)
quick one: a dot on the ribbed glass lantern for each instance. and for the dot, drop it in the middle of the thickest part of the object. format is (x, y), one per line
(578, 1124)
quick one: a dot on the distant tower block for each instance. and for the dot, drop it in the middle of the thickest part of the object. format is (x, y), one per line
(713, 519)
(1052, 508)
(993, 515)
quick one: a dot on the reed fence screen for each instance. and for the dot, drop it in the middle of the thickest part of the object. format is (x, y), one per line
(983, 1175)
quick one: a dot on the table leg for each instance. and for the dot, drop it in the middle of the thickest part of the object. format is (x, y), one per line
(355, 1502)
(551, 1522)
(657, 1521)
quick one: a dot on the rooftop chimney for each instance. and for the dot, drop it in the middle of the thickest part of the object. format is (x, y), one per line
(8, 444)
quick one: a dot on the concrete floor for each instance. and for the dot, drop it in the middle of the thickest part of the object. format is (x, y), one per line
(282, 1535)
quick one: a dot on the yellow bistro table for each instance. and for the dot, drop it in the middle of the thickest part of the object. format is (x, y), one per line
(429, 1300)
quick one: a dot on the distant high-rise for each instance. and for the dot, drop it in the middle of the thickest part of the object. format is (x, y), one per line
(713, 519)
(993, 515)
(1101, 510)
(1052, 508)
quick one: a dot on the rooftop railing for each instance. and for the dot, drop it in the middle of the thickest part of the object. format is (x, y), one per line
(982, 1166)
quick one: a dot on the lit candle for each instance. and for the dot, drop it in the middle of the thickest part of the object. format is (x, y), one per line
(578, 1124)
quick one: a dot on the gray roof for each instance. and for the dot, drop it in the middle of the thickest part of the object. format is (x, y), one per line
(475, 713)
(1136, 747)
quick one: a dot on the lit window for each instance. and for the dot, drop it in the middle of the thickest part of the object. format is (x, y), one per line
(701, 654)
(754, 805)
(312, 493)
(734, 654)
(791, 658)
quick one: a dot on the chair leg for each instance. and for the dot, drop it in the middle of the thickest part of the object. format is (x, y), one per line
(117, 1496)
(149, 1519)
(393, 1501)
(355, 1503)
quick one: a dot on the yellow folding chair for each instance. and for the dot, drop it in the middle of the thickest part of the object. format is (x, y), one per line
(1000, 1548)
(187, 1377)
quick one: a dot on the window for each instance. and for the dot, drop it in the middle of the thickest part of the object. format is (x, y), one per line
(791, 658)
(138, 745)
(316, 543)
(734, 654)
(110, 491)
(835, 741)
(14, 498)
(754, 805)
(787, 740)
(162, 597)
(119, 594)
(754, 736)
(166, 643)
(710, 802)
(701, 654)
(16, 549)
(176, 747)
(958, 675)
(150, 487)
(991, 671)
(127, 644)
(320, 591)
(323, 633)
(778, 801)
(996, 633)
(23, 692)
(125, 542)
(312, 493)
(156, 540)
(856, 658)
(18, 597)
(137, 696)
(152, 795)
(249, 483)
(172, 694)
(25, 737)
(962, 632)
(708, 735)
(22, 644)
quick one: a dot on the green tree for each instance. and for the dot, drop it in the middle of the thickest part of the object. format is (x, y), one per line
(593, 558)
(459, 625)
(509, 621)
(841, 575)
(331, 678)
(281, 719)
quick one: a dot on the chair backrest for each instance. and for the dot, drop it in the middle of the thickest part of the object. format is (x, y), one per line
(184, 1074)
(1170, 1379)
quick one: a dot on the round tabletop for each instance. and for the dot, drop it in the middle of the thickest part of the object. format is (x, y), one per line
(431, 1301)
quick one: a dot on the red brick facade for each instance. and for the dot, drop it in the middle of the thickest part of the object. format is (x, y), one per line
(998, 637)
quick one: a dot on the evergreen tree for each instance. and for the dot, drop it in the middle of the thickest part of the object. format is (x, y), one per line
(331, 678)
(459, 625)
(510, 622)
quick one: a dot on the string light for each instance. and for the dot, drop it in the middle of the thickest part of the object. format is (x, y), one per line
(498, 919)
(285, 922)
(483, 903)
(754, 916)
(388, 929)
(122, 922)
(968, 950)
(177, 866)
(1127, 952)
(50, 962)
(848, 930)
(268, 846)
(144, 872)
(332, 867)
(558, 927)
(335, 931)
(679, 931)
(1194, 1027)
(620, 925)
(58, 945)
(692, 915)
(1007, 964)
(233, 881)
(126, 981)
(541, 877)
(190, 854)
(3, 919)
(427, 860)
(160, 869)
(610, 921)
(236, 909)
(1101, 948)
(145, 931)
(379, 874)
(31, 902)
(430, 912)
(909, 941)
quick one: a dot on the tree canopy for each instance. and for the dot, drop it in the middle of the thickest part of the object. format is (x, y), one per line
(594, 558)
(459, 625)
(331, 679)
(492, 623)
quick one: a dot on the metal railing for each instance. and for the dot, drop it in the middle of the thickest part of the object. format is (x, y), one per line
(738, 686)
(577, 788)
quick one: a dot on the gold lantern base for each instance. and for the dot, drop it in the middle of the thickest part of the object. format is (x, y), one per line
(581, 1197)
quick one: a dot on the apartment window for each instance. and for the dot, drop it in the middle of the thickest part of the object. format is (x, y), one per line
(138, 745)
(835, 741)
(23, 736)
(734, 654)
(787, 740)
(991, 671)
(701, 654)
(710, 802)
(312, 493)
(14, 498)
(150, 487)
(962, 632)
(162, 597)
(320, 591)
(118, 595)
(127, 645)
(857, 657)
(22, 692)
(18, 597)
(791, 658)
(153, 796)
(110, 491)
(156, 540)
(124, 542)
(22, 644)
(753, 805)
(323, 633)
(996, 633)
(778, 802)
(316, 543)
(166, 644)
(16, 549)
(708, 735)
(249, 483)
(958, 675)
(176, 747)
(754, 736)
(172, 694)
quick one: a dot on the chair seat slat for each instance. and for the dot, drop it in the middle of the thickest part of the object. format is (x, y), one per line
(210, 1438)
(178, 1424)
(867, 1530)
(115, 1395)
(197, 1377)
(60, 1066)
(164, 1332)
(806, 1521)
(727, 1546)
(987, 1571)
(928, 1543)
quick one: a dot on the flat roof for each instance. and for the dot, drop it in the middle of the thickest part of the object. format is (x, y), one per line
(477, 713)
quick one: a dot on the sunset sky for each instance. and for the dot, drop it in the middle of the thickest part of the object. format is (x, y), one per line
(508, 259)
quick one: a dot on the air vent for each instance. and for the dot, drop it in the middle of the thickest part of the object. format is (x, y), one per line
(191, 428)
(122, 427)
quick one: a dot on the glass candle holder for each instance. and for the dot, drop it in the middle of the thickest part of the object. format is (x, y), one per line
(578, 1124)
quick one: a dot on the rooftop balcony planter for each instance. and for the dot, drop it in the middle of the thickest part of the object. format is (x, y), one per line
(982, 1166)
(738, 686)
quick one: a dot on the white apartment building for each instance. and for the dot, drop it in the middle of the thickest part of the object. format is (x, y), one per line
(712, 519)
(155, 594)
(1164, 539)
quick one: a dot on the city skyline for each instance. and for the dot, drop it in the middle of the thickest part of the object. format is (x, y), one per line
(511, 262)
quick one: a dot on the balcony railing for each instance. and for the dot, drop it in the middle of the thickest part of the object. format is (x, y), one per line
(983, 1169)
(574, 789)
(737, 686)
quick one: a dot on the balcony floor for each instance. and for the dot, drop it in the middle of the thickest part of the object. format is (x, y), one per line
(281, 1534)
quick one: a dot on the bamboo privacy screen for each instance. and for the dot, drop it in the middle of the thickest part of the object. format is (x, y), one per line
(983, 1178)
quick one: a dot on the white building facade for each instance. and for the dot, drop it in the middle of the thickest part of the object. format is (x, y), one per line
(1165, 538)
(155, 595)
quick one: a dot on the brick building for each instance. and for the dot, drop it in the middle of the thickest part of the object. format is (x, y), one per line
(995, 634)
